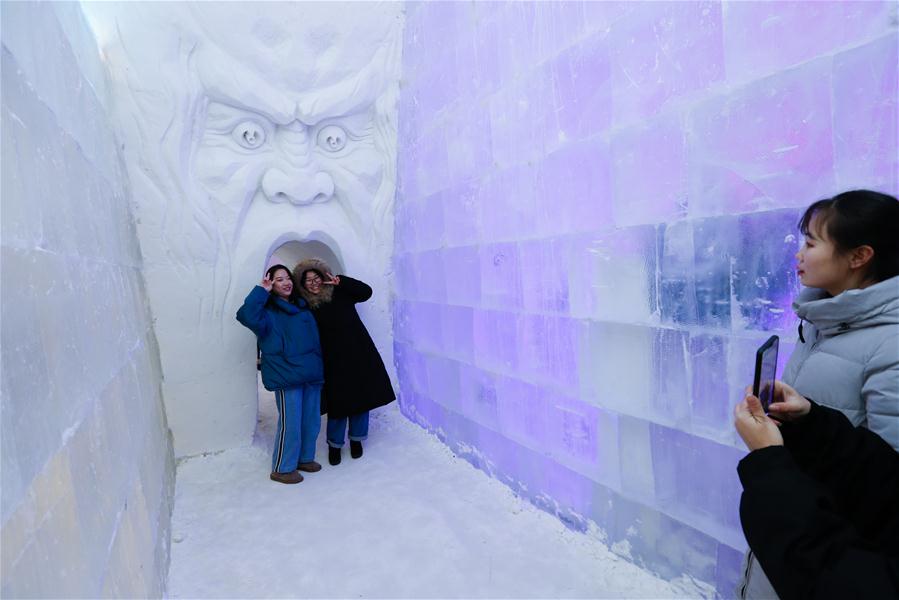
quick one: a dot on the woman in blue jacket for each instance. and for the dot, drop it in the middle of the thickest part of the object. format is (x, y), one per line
(291, 367)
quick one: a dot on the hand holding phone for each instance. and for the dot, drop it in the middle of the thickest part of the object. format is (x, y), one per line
(756, 430)
(788, 404)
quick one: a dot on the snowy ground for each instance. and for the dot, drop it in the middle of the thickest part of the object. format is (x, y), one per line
(407, 520)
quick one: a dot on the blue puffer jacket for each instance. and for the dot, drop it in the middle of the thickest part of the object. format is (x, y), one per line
(288, 339)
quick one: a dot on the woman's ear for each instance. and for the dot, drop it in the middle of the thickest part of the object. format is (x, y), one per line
(860, 256)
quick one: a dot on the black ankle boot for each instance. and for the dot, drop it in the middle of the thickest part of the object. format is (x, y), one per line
(333, 455)
(355, 449)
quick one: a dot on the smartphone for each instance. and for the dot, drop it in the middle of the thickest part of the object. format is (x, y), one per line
(765, 371)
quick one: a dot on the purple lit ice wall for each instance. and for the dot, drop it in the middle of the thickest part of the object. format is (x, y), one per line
(595, 228)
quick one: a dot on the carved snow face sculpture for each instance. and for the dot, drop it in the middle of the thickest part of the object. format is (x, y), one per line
(296, 137)
(247, 125)
(291, 113)
(246, 156)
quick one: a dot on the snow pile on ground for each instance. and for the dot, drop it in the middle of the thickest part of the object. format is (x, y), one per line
(407, 520)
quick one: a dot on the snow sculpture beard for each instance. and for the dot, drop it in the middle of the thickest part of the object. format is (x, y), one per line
(245, 129)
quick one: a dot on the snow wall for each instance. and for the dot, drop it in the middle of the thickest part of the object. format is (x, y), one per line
(87, 461)
(246, 130)
(595, 228)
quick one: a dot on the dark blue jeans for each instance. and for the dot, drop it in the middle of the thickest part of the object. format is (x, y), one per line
(337, 429)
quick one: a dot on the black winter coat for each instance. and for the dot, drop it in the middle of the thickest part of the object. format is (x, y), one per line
(821, 513)
(355, 377)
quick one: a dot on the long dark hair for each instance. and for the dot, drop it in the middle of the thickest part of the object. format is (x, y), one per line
(860, 218)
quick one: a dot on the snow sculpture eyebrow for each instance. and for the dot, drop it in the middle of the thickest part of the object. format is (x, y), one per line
(229, 82)
(345, 97)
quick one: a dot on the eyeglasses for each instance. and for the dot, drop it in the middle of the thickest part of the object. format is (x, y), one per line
(313, 280)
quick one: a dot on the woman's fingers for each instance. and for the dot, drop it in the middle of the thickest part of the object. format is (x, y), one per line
(754, 406)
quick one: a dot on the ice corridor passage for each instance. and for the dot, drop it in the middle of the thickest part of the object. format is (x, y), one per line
(407, 520)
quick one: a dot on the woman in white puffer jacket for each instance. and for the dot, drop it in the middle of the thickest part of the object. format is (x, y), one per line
(847, 356)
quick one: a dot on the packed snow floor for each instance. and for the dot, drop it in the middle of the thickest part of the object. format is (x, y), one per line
(407, 520)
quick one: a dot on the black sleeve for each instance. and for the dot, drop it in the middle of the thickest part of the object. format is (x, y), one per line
(805, 546)
(354, 289)
(855, 466)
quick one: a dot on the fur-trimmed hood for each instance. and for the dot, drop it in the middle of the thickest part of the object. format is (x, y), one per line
(314, 300)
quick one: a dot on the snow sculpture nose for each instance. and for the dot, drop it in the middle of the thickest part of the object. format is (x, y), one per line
(297, 186)
(296, 179)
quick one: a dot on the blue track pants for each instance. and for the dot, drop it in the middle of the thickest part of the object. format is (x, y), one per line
(299, 421)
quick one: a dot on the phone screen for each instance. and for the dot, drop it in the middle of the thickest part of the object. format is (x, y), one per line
(765, 371)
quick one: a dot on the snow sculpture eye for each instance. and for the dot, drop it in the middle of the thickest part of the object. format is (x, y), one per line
(249, 135)
(332, 138)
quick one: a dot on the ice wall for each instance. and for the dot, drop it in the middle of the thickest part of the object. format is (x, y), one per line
(87, 462)
(595, 228)
(244, 130)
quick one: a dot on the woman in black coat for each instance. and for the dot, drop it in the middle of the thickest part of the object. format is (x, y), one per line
(820, 505)
(355, 378)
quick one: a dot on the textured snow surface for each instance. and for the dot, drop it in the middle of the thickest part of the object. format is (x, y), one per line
(407, 520)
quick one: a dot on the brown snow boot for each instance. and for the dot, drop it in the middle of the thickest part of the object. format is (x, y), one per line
(309, 467)
(292, 477)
